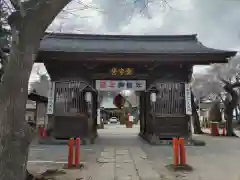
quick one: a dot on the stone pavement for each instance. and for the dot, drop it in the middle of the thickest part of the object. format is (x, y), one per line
(120, 155)
(113, 164)
(116, 156)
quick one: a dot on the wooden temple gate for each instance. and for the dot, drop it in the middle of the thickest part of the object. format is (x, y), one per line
(164, 62)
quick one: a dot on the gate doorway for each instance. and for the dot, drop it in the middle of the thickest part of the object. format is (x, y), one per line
(124, 115)
(128, 91)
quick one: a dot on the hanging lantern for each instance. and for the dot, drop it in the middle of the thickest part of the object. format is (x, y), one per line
(119, 101)
(88, 96)
(153, 97)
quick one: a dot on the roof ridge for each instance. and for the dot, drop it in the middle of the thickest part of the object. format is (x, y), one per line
(191, 37)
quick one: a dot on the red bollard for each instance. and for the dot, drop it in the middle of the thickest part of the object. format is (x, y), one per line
(41, 131)
(175, 152)
(182, 152)
(77, 152)
(214, 129)
(70, 152)
(217, 131)
(129, 122)
(223, 132)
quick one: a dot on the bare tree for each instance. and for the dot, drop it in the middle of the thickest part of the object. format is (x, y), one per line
(220, 82)
(4, 37)
(230, 104)
(195, 116)
(28, 23)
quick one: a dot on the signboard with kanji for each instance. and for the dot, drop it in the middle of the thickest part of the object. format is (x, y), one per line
(122, 71)
(119, 85)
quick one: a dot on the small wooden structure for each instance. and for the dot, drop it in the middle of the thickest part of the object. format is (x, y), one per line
(30, 115)
(39, 111)
(75, 62)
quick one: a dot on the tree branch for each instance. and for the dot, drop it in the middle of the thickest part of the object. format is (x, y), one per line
(229, 88)
(15, 4)
(236, 84)
(41, 15)
(18, 6)
(222, 99)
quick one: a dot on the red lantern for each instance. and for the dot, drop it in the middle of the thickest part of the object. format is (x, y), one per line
(119, 101)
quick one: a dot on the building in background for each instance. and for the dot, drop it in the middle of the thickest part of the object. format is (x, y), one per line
(36, 107)
(108, 109)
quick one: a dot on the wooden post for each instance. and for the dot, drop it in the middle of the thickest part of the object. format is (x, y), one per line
(70, 152)
(77, 152)
(175, 152)
(182, 152)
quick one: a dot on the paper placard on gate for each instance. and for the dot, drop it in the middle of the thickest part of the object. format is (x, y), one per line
(131, 118)
(50, 105)
(188, 103)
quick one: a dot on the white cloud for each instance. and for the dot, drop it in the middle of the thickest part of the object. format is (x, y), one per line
(215, 21)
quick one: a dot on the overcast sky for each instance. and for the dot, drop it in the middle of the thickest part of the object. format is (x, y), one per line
(217, 22)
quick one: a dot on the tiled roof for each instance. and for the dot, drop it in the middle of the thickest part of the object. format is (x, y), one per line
(126, 44)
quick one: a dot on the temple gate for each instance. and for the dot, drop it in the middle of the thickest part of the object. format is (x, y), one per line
(77, 63)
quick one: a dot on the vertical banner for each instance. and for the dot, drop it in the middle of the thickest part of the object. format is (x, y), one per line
(51, 91)
(188, 103)
(98, 116)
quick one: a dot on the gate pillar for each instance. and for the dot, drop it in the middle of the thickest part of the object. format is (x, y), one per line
(74, 109)
(165, 112)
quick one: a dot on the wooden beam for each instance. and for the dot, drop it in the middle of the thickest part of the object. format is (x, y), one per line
(109, 77)
(195, 59)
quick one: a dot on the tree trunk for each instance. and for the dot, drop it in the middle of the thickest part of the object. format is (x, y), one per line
(229, 117)
(28, 26)
(15, 133)
(230, 103)
(196, 121)
(237, 114)
(29, 176)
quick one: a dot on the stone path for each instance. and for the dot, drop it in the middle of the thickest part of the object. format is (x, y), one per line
(124, 164)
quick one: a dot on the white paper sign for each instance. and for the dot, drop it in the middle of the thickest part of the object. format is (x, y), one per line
(88, 96)
(98, 116)
(188, 103)
(119, 85)
(131, 118)
(51, 92)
